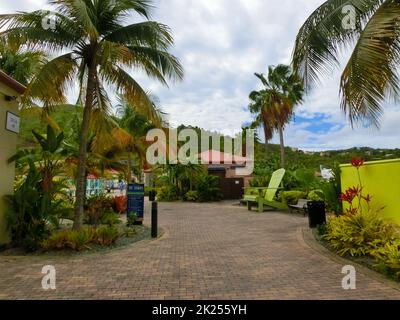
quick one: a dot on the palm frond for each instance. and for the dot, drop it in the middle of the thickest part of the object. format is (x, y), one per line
(321, 36)
(50, 83)
(372, 69)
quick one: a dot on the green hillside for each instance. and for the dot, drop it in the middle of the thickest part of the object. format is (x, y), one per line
(269, 158)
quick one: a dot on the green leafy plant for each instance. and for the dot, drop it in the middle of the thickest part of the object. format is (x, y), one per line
(207, 187)
(70, 239)
(110, 219)
(192, 196)
(147, 191)
(260, 181)
(168, 193)
(316, 195)
(107, 236)
(359, 234)
(97, 207)
(131, 219)
(79, 240)
(292, 197)
(38, 198)
(388, 258)
(306, 179)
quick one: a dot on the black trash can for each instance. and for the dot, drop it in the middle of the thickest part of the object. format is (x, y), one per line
(316, 213)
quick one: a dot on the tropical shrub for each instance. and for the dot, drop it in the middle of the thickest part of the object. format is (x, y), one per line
(388, 257)
(120, 204)
(96, 208)
(292, 197)
(332, 190)
(107, 236)
(207, 187)
(260, 181)
(306, 179)
(316, 195)
(168, 193)
(110, 219)
(192, 196)
(131, 220)
(37, 200)
(359, 234)
(70, 239)
(78, 240)
(147, 191)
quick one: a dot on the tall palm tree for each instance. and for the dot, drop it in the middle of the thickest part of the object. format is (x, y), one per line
(98, 49)
(274, 105)
(370, 75)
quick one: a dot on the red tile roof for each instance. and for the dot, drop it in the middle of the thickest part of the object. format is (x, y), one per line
(217, 157)
(12, 83)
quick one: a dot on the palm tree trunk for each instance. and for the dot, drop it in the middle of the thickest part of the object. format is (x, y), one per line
(81, 170)
(282, 143)
(266, 138)
(129, 168)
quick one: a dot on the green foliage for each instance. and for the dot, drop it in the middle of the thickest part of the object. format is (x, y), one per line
(70, 239)
(167, 193)
(207, 187)
(387, 258)
(316, 195)
(97, 207)
(110, 219)
(260, 181)
(292, 197)
(191, 196)
(107, 236)
(82, 239)
(38, 200)
(359, 234)
(251, 192)
(306, 179)
(332, 190)
(131, 220)
(147, 190)
(369, 74)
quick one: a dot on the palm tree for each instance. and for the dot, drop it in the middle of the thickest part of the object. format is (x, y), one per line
(274, 105)
(130, 134)
(370, 75)
(20, 64)
(97, 49)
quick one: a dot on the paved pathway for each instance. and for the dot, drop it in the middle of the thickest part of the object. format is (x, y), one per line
(208, 251)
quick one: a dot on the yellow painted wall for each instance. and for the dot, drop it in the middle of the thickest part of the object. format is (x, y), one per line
(8, 143)
(381, 179)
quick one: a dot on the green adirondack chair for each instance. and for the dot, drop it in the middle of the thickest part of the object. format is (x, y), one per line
(265, 197)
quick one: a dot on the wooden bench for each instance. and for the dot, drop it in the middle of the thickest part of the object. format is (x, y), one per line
(301, 206)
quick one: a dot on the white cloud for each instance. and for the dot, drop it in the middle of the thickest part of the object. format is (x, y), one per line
(221, 43)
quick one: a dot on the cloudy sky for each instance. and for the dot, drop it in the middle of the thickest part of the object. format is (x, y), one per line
(221, 43)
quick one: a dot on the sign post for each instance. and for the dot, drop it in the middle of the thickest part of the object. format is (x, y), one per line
(136, 203)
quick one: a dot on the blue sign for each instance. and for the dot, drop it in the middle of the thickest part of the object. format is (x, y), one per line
(136, 201)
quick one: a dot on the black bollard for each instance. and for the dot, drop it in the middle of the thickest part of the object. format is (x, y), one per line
(154, 219)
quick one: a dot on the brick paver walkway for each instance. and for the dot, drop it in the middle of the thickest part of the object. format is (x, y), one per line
(208, 251)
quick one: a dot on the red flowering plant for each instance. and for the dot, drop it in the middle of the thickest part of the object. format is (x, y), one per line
(356, 192)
